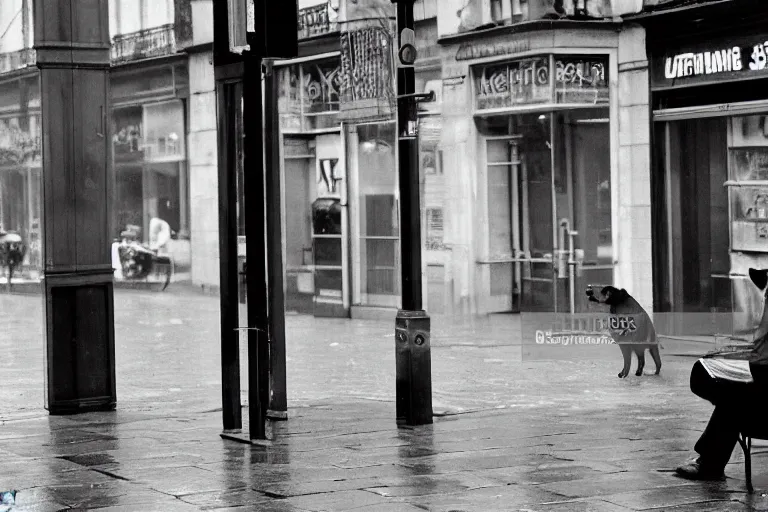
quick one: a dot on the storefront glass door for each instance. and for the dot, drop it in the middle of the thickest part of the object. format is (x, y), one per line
(315, 220)
(549, 209)
(691, 239)
(520, 259)
(377, 223)
(583, 192)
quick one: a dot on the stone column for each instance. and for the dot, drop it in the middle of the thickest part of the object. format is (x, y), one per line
(72, 43)
(635, 259)
(203, 177)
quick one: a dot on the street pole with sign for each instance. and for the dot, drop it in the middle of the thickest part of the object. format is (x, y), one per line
(412, 325)
(255, 30)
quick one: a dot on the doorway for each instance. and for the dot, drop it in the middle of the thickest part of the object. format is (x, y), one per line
(549, 226)
(315, 226)
(584, 205)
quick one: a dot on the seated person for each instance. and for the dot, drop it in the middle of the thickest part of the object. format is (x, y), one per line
(159, 234)
(736, 388)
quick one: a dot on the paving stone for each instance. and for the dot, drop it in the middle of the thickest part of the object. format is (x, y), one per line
(587, 505)
(614, 483)
(336, 501)
(664, 498)
(226, 499)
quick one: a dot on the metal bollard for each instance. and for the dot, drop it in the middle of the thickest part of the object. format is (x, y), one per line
(413, 368)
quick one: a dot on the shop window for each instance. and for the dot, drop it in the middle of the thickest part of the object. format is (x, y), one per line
(20, 184)
(308, 97)
(507, 10)
(692, 261)
(378, 221)
(12, 25)
(128, 16)
(749, 175)
(151, 176)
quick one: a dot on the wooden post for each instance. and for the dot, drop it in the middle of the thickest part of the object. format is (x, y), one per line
(73, 49)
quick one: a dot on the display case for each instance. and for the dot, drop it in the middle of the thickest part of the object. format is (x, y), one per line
(748, 183)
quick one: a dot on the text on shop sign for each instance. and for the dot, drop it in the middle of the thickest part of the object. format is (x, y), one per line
(577, 80)
(708, 62)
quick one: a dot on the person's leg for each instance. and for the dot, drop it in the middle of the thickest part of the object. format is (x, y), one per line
(716, 443)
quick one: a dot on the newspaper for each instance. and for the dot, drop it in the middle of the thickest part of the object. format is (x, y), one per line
(728, 369)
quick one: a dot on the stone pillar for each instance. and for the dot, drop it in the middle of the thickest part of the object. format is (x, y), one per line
(460, 169)
(635, 259)
(72, 43)
(203, 177)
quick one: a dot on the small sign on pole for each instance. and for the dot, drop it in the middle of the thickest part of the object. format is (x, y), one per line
(238, 12)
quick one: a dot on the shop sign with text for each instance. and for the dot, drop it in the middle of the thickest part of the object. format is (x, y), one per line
(717, 61)
(579, 80)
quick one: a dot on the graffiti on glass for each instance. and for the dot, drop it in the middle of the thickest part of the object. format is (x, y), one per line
(328, 177)
(322, 85)
(365, 63)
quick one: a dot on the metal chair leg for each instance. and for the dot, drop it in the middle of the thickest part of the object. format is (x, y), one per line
(746, 446)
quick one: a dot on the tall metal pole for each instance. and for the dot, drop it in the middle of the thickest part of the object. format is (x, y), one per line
(228, 102)
(255, 247)
(412, 325)
(278, 399)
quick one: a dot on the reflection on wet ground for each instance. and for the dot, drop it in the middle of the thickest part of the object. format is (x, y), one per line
(510, 435)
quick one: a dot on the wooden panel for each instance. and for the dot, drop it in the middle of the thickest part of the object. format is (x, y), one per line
(90, 168)
(53, 20)
(91, 25)
(80, 345)
(58, 195)
(61, 360)
(92, 329)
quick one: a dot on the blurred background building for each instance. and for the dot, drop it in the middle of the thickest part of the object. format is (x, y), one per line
(521, 153)
(162, 127)
(552, 156)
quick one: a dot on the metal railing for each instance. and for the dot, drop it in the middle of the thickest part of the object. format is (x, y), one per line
(152, 42)
(20, 59)
(316, 21)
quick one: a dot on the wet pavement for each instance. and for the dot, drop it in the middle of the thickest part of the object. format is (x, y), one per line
(510, 434)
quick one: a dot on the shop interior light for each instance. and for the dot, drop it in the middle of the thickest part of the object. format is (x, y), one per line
(374, 145)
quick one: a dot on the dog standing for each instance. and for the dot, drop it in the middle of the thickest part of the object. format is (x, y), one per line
(630, 326)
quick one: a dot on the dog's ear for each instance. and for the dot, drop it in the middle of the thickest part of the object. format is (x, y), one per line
(623, 294)
(759, 277)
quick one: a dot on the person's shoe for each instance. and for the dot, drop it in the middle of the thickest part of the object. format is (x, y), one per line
(695, 470)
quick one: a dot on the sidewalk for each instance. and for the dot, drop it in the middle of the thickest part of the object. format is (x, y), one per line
(510, 435)
(348, 455)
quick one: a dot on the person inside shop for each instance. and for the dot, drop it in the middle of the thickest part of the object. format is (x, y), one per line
(736, 387)
(159, 235)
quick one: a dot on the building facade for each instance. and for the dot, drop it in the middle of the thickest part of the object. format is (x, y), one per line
(546, 155)
(534, 161)
(161, 87)
(338, 145)
(710, 148)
